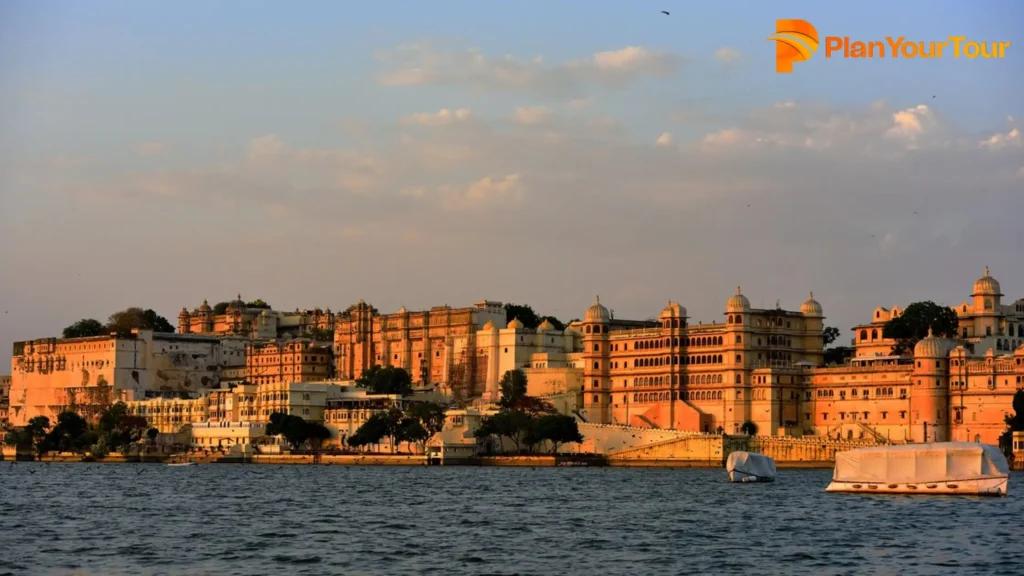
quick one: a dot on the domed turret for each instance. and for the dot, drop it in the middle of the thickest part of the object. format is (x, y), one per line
(184, 313)
(402, 310)
(205, 307)
(673, 310)
(490, 327)
(986, 286)
(237, 305)
(932, 347)
(811, 307)
(515, 324)
(738, 302)
(597, 312)
(546, 326)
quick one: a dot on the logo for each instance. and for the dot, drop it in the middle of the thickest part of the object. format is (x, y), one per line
(795, 41)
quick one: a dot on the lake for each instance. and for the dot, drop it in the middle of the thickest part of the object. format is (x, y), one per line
(258, 519)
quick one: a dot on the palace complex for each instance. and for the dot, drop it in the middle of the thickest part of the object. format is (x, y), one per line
(222, 375)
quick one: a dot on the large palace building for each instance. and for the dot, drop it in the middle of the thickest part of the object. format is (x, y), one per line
(764, 366)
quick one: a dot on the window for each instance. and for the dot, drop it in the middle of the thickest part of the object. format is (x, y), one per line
(597, 348)
(597, 365)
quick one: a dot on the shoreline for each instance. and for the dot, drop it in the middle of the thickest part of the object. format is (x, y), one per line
(530, 461)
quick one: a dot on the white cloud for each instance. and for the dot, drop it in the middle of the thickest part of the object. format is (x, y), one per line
(727, 55)
(443, 117)
(911, 123)
(1009, 139)
(534, 115)
(665, 139)
(482, 192)
(419, 65)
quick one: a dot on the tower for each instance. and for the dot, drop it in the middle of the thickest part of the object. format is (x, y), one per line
(929, 396)
(596, 381)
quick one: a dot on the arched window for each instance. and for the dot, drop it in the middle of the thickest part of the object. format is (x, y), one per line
(874, 334)
(739, 379)
(863, 334)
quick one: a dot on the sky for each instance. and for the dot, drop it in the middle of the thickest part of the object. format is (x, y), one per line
(416, 154)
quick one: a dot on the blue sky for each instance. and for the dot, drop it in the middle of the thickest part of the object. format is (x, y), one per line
(84, 85)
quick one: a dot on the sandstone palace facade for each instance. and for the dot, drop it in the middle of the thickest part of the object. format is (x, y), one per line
(758, 366)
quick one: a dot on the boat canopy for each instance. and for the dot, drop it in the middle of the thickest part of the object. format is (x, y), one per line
(751, 464)
(921, 463)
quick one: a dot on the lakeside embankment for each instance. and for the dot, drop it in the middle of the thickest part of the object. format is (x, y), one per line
(534, 461)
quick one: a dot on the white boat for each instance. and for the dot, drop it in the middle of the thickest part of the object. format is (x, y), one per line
(938, 468)
(750, 467)
(189, 463)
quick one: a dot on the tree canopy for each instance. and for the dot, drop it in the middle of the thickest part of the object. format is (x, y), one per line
(220, 308)
(416, 424)
(348, 311)
(915, 321)
(257, 303)
(126, 320)
(830, 335)
(1014, 423)
(388, 380)
(296, 431)
(321, 334)
(84, 328)
(529, 318)
(527, 420)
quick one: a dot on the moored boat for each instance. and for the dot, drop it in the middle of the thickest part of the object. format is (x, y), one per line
(750, 467)
(963, 468)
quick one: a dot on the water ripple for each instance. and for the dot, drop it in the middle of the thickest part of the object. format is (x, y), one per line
(235, 519)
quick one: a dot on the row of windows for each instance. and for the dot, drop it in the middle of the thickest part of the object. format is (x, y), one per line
(696, 396)
(667, 361)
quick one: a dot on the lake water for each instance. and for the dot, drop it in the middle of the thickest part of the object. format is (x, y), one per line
(257, 519)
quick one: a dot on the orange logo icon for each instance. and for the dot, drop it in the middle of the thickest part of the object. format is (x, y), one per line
(795, 41)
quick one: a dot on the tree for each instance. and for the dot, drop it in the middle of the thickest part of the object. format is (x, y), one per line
(258, 303)
(529, 318)
(557, 429)
(838, 355)
(749, 428)
(511, 424)
(389, 380)
(151, 434)
(915, 322)
(84, 328)
(431, 417)
(220, 308)
(125, 321)
(513, 388)
(1014, 423)
(411, 430)
(348, 311)
(370, 432)
(295, 430)
(830, 335)
(119, 428)
(69, 433)
(36, 430)
(317, 433)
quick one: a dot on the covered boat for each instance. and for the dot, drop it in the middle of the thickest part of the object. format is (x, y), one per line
(937, 468)
(748, 467)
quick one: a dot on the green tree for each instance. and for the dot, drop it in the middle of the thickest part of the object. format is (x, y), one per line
(389, 380)
(557, 429)
(915, 322)
(317, 434)
(511, 424)
(1014, 423)
(37, 430)
(410, 430)
(119, 428)
(151, 434)
(220, 308)
(430, 415)
(84, 328)
(749, 428)
(126, 320)
(370, 432)
(258, 303)
(838, 355)
(830, 335)
(69, 433)
(530, 319)
(513, 388)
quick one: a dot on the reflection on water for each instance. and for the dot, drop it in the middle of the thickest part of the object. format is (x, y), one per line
(237, 519)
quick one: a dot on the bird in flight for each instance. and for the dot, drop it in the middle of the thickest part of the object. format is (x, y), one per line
(665, 13)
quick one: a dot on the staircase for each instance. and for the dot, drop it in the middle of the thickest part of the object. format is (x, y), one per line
(647, 421)
(874, 434)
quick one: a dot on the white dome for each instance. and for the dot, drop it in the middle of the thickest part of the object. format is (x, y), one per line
(811, 307)
(673, 310)
(597, 312)
(545, 326)
(515, 324)
(986, 286)
(737, 302)
(932, 347)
